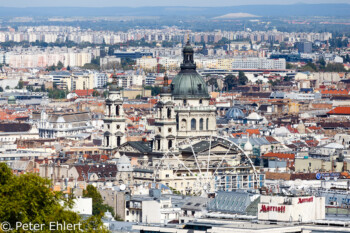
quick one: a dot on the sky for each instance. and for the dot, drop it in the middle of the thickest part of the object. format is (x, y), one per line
(138, 3)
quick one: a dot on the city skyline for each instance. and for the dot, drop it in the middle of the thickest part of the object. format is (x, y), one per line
(139, 3)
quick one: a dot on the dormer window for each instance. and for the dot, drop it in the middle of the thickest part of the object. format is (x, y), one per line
(199, 87)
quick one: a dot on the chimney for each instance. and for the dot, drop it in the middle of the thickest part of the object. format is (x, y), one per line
(345, 166)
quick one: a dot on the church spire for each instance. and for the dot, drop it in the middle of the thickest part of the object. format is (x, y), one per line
(187, 53)
(114, 85)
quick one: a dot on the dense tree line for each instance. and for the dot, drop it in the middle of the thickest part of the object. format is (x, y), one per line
(29, 198)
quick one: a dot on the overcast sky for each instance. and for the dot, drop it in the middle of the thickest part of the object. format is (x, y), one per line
(136, 3)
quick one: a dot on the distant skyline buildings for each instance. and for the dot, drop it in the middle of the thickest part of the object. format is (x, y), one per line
(140, 3)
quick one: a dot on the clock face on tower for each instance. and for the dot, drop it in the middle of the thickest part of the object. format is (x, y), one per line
(113, 97)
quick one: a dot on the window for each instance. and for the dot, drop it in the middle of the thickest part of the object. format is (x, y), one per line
(199, 87)
(201, 122)
(159, 129)
(200, 101)
(185, 102)
(117, 110)
(170, 144)
(183, 125)
(158, 144)
(207, 123)
(169, 113)
(118, 126)
(107, 140)
(193, 124)
(118, 141)
(169, 130)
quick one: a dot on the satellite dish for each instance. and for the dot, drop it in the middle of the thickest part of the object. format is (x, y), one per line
(122, 187)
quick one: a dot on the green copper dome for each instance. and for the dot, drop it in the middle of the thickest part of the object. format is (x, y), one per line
(188, 84)
(11, 100)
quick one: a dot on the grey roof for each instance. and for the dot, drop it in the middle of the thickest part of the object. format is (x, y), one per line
(195, 203)
(143, 147)
(222, 121)
(61, 73)
(232, 202)
(69, 117)
(254, 141)
(204, 145)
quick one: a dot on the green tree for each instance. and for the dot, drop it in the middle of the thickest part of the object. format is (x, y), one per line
(91, 66)
(289, 66)
(213, 82)
(7, 87)
(322, 63)
(1, 89)
(28, 199)
(20, 85)
(59, 65)
(42, 88)
(138, 96)
(335, 67)
(110, 51)
(98, 208)
(242, 79)
(68, 68)
(95, 93)
(57, 94)
(127, 63)
(105, 94)
(310, 67)
(230, 82)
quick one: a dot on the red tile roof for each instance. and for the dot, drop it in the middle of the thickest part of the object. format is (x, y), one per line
(291, 129)
(84, 92)
(253, 131)
(314, 128)
(340, 111)
(271, 139)
(335, 92)
(279, 155)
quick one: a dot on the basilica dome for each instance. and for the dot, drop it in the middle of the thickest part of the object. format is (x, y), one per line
(188, 84)
(235, 113)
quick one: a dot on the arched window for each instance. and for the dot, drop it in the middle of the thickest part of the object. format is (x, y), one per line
(158, 144)
(118, 141)
(193, 124)
(170, 144)
(207, 123)
(201, 122)
(185, 102)
(109, 110)
(117, 110)
(169, 113)
(183, 125)
(107, 140)
(177, 121)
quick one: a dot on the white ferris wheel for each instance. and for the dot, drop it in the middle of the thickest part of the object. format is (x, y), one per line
(205, 164)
